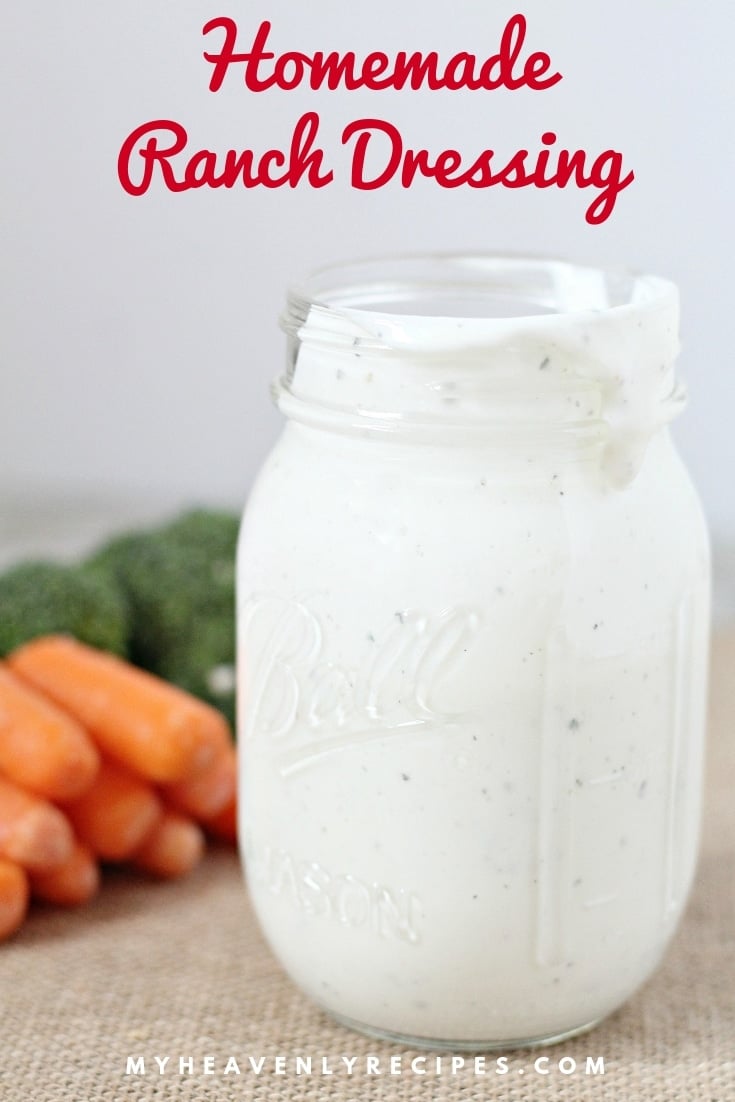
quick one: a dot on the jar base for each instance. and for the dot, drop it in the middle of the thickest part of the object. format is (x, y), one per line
(410, 1041)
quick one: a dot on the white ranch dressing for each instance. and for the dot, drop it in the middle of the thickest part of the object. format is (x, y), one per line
(622, 356)
(473, 611)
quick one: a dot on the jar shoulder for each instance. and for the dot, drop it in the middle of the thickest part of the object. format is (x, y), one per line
(322, 474)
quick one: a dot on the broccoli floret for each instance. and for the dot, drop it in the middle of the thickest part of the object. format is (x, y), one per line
(140, 564)
(41, 598)
(205, 665)
(179, 581)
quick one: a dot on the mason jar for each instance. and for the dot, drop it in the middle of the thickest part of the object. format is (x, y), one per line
(473, 627)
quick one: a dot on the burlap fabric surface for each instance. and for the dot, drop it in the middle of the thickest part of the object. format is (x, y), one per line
(180, 970)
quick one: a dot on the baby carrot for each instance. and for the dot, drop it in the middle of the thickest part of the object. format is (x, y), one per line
(208, 792)
(160, 731)
(224, 825)
(73, 883)
(14, 896)
(173, 848)
(33, 833)
(42, 748)
(116, 814)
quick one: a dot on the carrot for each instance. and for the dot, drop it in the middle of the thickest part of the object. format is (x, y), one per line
(116, 814)
(173, 848)
(33, 832)
(156, 729)
(42, 748)
(73, 883)
(224, 825)
(208, 792)
(14, 895)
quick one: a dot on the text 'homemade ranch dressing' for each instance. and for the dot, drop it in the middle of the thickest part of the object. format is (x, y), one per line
(473, 620)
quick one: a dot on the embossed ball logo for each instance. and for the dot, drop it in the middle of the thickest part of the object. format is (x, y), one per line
(300, 696)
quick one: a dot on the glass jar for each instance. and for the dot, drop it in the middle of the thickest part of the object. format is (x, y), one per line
(473, 626)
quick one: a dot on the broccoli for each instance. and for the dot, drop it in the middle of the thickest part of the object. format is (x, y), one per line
(179, 581)
(41, 598)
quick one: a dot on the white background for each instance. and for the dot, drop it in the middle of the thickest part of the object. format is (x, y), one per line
(139, 335)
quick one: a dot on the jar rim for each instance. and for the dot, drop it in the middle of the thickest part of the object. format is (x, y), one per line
(496, 290)
(440, 341)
